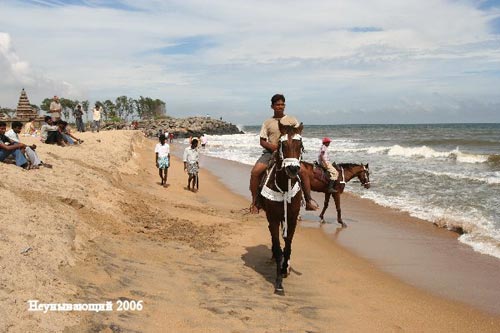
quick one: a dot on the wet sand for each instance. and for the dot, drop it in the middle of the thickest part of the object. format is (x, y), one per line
(409, 248)
(100, 227)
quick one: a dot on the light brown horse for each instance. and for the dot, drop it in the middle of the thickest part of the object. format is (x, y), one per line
(347, 171)
(281, 198)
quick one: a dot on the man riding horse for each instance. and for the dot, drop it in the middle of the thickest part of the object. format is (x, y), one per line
(269, 139)
(324, 161)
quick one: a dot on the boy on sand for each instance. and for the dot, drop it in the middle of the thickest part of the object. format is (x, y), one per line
(162, 152)
(191, 165)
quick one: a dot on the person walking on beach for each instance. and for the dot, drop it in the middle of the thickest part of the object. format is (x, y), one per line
(162, 152)
(324, 161)
(191, 164)
(96, 117)
(78, 113)
(269, 138)
(55, 109)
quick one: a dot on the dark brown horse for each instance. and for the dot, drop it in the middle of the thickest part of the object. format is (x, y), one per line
(281, 198)
(347, 171)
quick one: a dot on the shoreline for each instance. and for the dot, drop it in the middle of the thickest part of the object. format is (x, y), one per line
(197, 261)
(411, 249)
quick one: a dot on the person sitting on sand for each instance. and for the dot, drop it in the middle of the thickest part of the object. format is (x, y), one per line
(269, 138)
(9, 147)
(162, 160)
(191, 163)
(29, 151)
(66, 133)
(29, 128)
(324, 161)
(49, 133)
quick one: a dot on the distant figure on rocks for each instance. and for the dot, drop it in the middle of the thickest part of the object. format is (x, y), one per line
(191, 164)
(162, 153)
(171, 137)
(78, 113)
(96, 117)
(55, 109)
(204, 140)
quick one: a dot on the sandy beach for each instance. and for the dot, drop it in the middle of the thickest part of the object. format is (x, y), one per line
(99, 227)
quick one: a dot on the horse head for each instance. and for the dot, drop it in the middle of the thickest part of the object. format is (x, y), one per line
(290, 147)
(364, 175)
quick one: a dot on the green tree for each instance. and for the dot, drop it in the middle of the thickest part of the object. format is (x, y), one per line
(109, 109)
(45, 106)
(67, 106)
(85, 107)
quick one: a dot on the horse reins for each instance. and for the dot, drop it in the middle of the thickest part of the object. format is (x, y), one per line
(291, 192)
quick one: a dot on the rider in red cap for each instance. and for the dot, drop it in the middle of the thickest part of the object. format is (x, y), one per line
(324, 161)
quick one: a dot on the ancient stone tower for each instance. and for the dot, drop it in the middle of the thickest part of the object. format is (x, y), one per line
(24, 109)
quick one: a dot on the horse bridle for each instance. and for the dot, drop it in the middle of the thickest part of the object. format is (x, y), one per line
(291, 161)
(367, 176)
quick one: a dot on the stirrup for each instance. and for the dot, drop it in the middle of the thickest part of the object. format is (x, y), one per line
(253, 209)
(313, 205)
(331, 186)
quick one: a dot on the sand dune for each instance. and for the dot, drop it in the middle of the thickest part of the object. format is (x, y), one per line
(99, 227)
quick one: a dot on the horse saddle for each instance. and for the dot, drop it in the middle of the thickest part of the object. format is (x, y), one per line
(320, 173)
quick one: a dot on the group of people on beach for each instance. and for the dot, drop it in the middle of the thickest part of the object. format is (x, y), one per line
(168, 136)
(10, 145)
(53, 130)
(55, 110)
(269, 139)
(190, 159)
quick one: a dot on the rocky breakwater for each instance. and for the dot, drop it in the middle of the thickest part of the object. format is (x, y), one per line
(186, 127)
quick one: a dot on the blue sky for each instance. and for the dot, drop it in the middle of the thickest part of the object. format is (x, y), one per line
(349, 61)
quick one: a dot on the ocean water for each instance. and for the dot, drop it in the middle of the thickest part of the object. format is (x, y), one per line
(448, 174)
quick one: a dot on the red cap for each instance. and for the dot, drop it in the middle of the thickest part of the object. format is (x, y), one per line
(326, 140)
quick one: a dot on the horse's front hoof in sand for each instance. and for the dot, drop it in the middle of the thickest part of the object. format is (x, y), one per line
(278, 288)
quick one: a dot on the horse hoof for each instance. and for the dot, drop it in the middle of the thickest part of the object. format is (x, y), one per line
(278, 287)
(343, 224)
(322, 221)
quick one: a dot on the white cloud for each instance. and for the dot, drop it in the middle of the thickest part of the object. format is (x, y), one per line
(321, 54)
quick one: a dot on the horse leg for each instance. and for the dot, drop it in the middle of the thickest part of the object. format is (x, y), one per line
(287, 251)
(336, 197)
(274, 228)
(325, 206)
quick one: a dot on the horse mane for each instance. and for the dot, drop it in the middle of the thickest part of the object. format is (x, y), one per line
(348, 165)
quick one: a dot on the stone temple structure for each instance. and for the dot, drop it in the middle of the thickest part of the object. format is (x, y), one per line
(24, 109)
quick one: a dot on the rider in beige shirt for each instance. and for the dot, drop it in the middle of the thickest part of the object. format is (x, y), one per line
(269, 138)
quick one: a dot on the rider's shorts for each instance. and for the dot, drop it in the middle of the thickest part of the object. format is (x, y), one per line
(265, 158)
